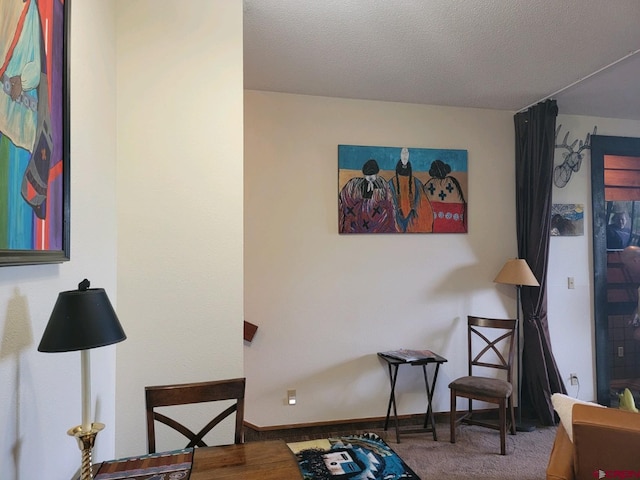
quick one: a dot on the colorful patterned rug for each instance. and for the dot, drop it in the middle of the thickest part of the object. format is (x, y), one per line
(353, 457)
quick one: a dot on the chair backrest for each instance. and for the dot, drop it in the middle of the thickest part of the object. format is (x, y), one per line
(190, 393)
(491, 344)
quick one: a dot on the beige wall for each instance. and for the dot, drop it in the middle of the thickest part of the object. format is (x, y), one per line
(326, 303)
(166, 100)
(571, 321)
(179, 199)
(40, 394)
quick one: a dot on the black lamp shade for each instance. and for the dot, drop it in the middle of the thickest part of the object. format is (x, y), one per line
(81, 319)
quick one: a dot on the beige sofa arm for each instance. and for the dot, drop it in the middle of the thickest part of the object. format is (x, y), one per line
(605, 439)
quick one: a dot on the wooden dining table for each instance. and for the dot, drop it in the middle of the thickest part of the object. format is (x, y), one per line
(263, 460)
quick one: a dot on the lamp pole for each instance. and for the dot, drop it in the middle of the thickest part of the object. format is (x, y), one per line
(516, 272)
(81, 320)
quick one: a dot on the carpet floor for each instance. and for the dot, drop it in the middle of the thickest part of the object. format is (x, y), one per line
(475, 455)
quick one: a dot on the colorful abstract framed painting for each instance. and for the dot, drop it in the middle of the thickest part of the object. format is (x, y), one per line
(401, 190)
(34, 131)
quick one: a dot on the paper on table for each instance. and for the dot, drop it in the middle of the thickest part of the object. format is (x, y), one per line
(409, 355)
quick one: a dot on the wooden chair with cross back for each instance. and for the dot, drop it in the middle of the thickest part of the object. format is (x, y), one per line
(490, 347)
(191, 393)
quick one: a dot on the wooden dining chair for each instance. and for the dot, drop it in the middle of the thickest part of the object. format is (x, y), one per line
(191, 393)
(490, 348)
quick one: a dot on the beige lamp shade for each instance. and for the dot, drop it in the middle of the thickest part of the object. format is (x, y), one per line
(516, 272)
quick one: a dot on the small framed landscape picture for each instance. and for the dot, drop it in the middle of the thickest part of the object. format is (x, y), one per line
(567, 219)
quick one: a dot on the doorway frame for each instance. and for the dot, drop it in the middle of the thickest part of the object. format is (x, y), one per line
(602, 145)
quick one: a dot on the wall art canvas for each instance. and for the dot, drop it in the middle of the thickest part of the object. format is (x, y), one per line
(34, 132)
(567, 219)
(401, 190)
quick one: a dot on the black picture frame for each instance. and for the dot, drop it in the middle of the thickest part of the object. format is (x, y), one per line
(44, 185)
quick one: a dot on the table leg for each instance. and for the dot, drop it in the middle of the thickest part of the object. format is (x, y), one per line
(393, 375)
(429, 417)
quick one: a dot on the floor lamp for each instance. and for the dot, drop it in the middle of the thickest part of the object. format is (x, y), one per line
(516, 272)
(81, 320)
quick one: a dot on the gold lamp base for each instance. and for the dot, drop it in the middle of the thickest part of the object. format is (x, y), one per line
(86, 440)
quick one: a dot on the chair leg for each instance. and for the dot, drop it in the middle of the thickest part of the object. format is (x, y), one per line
(503, 426)
(513, 417)
(452, 417)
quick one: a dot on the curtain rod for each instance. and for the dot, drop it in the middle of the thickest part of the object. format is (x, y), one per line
(630, 54)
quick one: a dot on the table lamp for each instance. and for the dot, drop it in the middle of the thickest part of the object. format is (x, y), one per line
(516, 272)
(81, 320)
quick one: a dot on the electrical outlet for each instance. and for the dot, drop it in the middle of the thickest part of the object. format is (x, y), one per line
(570, 283)
(621, 351)
(574, 378)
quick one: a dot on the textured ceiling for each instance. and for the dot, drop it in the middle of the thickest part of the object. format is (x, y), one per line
(499, 54)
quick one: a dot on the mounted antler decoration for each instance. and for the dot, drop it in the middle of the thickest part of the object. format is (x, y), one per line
(572, 158)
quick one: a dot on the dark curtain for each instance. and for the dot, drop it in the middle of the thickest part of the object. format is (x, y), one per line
(535, 143)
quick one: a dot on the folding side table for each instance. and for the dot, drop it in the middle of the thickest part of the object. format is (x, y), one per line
(393, 364)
